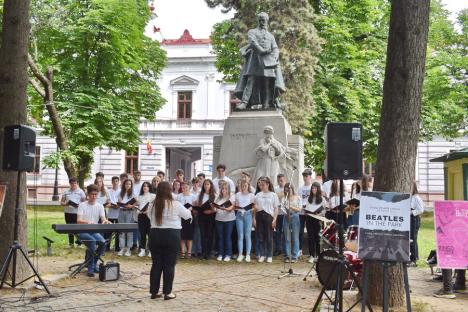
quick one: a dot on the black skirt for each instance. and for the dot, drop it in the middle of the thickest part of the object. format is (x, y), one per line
(187, 230)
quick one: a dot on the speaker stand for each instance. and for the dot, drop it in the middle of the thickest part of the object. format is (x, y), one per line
(12, 255)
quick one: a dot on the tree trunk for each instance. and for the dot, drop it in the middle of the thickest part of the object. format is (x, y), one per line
(48, 95)
(13, 84)
(400, 118)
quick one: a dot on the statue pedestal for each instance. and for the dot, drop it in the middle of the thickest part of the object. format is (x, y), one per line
(242, 134)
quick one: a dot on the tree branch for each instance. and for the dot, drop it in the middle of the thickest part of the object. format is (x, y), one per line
(37, 87)
(36, 72)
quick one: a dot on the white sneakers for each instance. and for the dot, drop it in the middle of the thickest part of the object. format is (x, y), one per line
(227, 259)
(121, 252)
(247, 258)
(240, 258)
(311, 259)
(142, 253)
(261, 259)
(128, 253)
(149, 253)
(269, 260)
(220, 258)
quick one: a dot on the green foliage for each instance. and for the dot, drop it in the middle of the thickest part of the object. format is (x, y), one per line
(105, 71)
(349, 79)
(291, 22)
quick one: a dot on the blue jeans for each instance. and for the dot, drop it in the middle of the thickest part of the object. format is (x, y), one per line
(244, 230)
(91, 240)
(291, 226)
(224, 230)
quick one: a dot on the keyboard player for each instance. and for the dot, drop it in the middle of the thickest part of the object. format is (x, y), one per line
(89, 212)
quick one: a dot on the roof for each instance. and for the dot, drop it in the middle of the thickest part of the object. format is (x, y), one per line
(185, 39)
(453, 155)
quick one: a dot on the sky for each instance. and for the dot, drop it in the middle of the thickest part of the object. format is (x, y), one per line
(174, 16)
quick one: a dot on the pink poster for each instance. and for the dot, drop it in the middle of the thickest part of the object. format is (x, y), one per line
(451, 224)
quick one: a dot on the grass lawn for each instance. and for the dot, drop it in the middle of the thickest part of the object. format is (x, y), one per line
(426, 237)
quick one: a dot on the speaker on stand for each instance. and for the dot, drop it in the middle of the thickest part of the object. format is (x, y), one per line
(343, 160)
(19, 145)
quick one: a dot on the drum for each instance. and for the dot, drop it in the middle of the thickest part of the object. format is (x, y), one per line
(327, 268)
(328, 235)
(352, 232)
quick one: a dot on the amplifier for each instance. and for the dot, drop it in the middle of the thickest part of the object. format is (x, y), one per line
(109, 271)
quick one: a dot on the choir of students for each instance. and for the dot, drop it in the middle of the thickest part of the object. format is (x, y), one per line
(224, 213)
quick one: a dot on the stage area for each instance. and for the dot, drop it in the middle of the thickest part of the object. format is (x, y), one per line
(199, 285)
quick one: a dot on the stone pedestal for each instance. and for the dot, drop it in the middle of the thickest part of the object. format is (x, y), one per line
(242, 134)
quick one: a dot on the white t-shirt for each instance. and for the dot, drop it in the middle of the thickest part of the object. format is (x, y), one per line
(287, 205)
(278, 191)
(170, 216)
(417, 205)
(334, 201)
(303, 193)
(267, 202)
(232, 186)
(137, 188)
(76, 196)
(91, 213)
(313, 207)
(113, 213)
(186, 199)
(326, 188)
(222, 215)
(142, 200)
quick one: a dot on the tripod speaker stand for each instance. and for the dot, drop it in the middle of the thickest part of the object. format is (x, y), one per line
(12, 255)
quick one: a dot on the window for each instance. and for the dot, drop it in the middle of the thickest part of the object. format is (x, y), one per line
(184, 105)
(131, 162)
(37, 160)
(233, 101)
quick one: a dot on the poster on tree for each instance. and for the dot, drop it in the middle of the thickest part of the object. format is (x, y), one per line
(384, 226)
(2, 196)
(451, 224)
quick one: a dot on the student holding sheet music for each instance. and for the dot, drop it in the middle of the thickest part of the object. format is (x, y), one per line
(315, 205)
(143, 201)
(71, 198)
(225, 220)
(244, 205)
(186, 198)
(264, 219)
(165, 215)
(206, 216)
(291, 204)
(126, 204)
(113, 210)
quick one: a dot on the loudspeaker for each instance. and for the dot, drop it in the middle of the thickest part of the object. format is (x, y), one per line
(109, 271)
(19, 148)
(343, 156)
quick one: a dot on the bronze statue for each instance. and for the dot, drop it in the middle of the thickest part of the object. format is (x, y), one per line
(261, 80)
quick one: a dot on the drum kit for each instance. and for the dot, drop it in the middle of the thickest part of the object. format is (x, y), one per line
(329, 255)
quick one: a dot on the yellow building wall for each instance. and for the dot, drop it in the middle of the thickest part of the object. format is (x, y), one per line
(455, 178)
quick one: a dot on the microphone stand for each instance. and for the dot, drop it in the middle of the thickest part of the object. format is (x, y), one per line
(290, 272)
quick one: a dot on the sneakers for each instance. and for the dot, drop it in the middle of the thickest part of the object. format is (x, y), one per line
(142, 253)
(247, 258)
(269, 260)
(220, 258)
(311, 259)
(240, 258)
(227, 259)
(128, 253)
(300, 253)
(286, 260)
(441, 293)
(149, 253)
(261, 259)
(121, 252)
(411, 264)
(293, 260)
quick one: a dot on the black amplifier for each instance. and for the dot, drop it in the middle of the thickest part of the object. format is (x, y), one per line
(109, 271)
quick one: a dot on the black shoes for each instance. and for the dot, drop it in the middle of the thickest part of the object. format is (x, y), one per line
(155, 296)
(90, 274)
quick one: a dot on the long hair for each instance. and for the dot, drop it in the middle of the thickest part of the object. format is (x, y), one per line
(129, 192)
(102, 189)
(164, 195)
(242, 182)
(356, 188)
(148, 185)
(335, 188)
(222, 185)
(365, 181)
(267, 180)
(318, 195)
(211, 194)
(291, 189)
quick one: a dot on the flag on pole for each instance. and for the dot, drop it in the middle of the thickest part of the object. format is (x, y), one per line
(149, 147)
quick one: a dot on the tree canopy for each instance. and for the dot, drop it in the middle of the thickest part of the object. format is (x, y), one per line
(105, 72)
(292, 24)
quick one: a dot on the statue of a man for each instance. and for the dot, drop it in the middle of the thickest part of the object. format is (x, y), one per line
(270, 153)
(261, 80)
